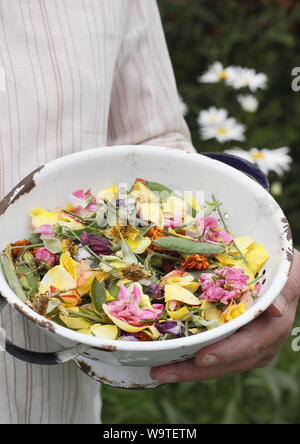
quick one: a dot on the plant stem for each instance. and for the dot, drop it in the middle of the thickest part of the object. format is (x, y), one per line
(24, 247)
(227, 229)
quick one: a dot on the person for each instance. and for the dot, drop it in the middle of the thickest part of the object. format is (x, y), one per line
(75, 75)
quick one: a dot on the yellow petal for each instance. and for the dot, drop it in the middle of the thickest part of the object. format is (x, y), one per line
(70, 224)
(153, 333)
(85, 331)
(180, 294)
(104, 331)
(39, 217)
(175, 207)
(75, 323)
(190, 286)
(257, 256)
(59, 278)
(69, 264)
(182, 314)
(243, 244)
(141, 191)
(174, 233)
(233, 312)
(192, 201)
(86, 277)
(229, 261)
(108, 193)
(139, 245)
(152, 212)
(212, 314)
(121, 324)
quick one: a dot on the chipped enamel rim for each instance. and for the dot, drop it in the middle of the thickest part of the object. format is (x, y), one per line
(202, 338)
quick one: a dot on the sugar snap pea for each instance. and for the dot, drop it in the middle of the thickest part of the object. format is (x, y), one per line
(188, 246)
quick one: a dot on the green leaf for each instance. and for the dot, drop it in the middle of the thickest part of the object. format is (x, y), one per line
(53, 307)
(35, 239)
(188, 246)
(159, 188)
(98, 295)
(114, 289)
(53, 245)
(127, 253)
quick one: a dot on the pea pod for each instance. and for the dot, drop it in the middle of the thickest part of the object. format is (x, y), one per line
(187, 246)
(30, 279)
(27, 280)
(11, 277)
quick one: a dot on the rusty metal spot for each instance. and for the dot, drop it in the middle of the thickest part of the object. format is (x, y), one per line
(290, 256)
(287, 229)
(106, 348)
(24, 187)
(44, 324)
(86, 368)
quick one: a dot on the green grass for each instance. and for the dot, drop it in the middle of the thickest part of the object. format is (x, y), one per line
(261, 396)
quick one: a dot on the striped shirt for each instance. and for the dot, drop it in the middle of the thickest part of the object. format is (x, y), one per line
(74, 75)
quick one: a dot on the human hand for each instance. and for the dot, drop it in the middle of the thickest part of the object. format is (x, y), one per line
(254, 346)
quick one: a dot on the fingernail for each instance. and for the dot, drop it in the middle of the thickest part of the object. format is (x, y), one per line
(279, 307)
(167, 378)
(208, 361)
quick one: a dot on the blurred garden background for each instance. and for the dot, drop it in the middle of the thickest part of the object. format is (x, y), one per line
(263, 35)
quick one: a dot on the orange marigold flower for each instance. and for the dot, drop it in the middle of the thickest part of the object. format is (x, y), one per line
(142, 336)
(194, 262)
(155, 233)
(18, 251)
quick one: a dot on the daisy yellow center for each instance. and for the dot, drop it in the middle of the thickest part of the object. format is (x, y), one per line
(222, 131)
(223, 75)
(258, 155)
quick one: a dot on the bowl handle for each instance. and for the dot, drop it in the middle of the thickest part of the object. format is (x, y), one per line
(242, 165)
(39, 358)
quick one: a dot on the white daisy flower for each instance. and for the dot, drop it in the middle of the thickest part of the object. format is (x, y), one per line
(246, 77)
(278, 161)
(216, 72)
(248, 102)
(225, 131)
(212, 116)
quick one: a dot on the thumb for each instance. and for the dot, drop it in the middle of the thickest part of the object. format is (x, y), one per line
(279, 307)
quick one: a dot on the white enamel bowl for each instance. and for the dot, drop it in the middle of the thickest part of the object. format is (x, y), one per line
(252, 211)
